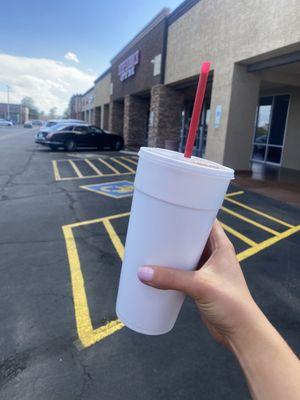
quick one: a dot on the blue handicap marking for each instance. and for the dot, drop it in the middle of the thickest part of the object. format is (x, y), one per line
(117, 190)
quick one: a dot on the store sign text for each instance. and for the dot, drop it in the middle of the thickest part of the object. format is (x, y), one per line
(127, 67)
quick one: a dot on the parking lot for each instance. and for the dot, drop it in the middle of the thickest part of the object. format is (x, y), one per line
(63, 226)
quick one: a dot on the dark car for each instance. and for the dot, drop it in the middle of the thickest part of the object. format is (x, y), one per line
(28, 124)
(73, 136)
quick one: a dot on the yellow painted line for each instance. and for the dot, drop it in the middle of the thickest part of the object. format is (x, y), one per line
(109, 166)
(82, 314)
(234, 193)
(114, 238)
(267, 243)
(94, 176)
(129, 160)
(239, 235)
(250, 221)
(74, 166)
(56, 171)
(123, 165)
(106, 330)
(94, 168)
(254, 210)
(96, 220)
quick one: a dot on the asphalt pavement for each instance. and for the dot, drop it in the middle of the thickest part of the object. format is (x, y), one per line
(63, 226)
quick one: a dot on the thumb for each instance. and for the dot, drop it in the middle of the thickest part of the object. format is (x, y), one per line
(169, 278)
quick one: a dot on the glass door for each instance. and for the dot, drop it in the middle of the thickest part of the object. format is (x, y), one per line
(200, 144)
(270, 129)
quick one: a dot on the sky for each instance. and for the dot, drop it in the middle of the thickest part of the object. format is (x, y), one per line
(52, 49)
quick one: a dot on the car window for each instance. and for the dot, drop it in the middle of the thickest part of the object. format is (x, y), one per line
(65, 128)
(94, 129)
(48, 124)
(81, 129)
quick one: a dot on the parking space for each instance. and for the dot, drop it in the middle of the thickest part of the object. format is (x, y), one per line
(84, 168)
(250, 229)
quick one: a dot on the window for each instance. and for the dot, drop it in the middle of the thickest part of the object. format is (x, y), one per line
(64, 128)
(270, 128)
(97, 131)
(83, 129)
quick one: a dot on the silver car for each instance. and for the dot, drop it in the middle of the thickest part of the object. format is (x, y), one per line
(4, 122)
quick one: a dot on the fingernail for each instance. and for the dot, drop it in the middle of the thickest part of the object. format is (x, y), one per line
(145, 274)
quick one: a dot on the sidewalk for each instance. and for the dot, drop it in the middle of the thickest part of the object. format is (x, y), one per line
(278, 183)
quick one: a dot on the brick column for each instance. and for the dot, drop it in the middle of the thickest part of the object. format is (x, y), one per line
(135, 120)
(165, 121)
(105, 117)
(116, 116)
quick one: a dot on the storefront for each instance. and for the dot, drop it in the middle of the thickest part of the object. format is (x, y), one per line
(252, 111)
(134, 71)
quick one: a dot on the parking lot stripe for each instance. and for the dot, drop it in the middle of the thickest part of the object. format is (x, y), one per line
(123, 165)
(82, 314)
(234, 193)
(93, 167)
(114, 238)
(129, 159)
(103, 331)
(250, 221)
(254, 210)
(79, 174)
(109, 166)
(238, 235)
(96, 220)
(267, 243)
(57, 176)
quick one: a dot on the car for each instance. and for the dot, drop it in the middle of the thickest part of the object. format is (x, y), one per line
(73, 136)
(28, 124)
(5, 122)
(37, 122)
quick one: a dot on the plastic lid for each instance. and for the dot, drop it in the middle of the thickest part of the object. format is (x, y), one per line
(177, 160)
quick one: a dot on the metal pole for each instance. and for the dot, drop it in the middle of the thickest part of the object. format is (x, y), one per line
(8, 116)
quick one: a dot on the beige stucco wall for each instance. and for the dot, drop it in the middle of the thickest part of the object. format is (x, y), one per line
(291, 150)
(102, 91)
(87, 100)
(227, 31)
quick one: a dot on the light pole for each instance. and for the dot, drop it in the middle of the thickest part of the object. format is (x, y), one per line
(8, 116)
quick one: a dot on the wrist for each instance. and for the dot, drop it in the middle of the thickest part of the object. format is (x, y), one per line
(252, 328)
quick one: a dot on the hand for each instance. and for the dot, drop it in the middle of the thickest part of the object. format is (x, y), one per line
(228, 310)
(218, 287)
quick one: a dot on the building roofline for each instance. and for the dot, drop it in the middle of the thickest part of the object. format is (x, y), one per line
(181, 10)
(103, 75)
(89, 90)
(142, 33)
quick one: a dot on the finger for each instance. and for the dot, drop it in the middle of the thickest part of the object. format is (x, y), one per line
(218, 238)
(170, 278)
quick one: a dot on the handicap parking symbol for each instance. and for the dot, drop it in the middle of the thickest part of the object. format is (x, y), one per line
(116, 190)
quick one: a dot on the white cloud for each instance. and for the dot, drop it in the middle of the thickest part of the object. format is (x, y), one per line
(50, 83)
(71, 57)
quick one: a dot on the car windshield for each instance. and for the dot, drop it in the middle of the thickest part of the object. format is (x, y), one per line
(62, 127)
(50, 123)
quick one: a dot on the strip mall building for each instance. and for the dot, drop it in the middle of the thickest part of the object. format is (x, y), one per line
(252, 103)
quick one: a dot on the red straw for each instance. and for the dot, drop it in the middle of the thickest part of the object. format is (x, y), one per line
(197, 109)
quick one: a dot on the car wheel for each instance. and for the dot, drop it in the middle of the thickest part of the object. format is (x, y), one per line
(70, 145)
(117, 145)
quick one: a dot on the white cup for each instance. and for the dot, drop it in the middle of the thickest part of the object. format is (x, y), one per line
(175, 203)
